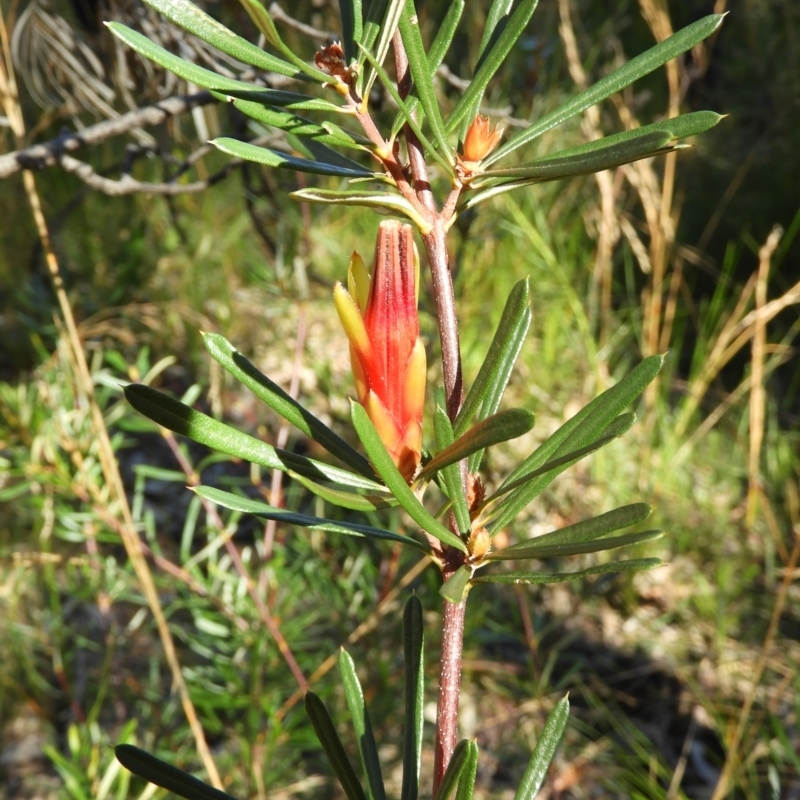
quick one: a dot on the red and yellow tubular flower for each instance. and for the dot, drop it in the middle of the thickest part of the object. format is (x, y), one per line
(380, 319)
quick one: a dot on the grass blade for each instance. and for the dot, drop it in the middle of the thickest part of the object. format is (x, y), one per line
(385, 467)
(498, 428)
(333, 747)
(193, 19)
(367, 746)
(490, 64)
(247, 506)
(174, 780)
(413, 645)
(178, 417)
(224, 353)
(534, 578)
(495, 371)
(636, 68)
(421, 74)
(544, 751)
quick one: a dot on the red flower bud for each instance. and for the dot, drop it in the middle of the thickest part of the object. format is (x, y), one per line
(389, 364)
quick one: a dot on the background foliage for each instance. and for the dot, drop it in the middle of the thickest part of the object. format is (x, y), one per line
(658, 667)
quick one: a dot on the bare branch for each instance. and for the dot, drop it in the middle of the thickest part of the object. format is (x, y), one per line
(277, 13)
(49, 154)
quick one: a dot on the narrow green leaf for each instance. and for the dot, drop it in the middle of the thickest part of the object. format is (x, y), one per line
(193, 19)
(441, 44)
(610, 151)
(204, 78)
(494, 58)
(466, 783)
(174, 780)
(544, 751)
(495, 371)
(457, 586)
(390, 12)
(587, 529)
(380, 200)
(248, 506)
(177, 417)
(264, 23)
(458, 761)
(224, 353)
(333, 747)
(496, 21)
(616, 429)
(362, 726)
(451, 475)
(498, 428)
(413, 646)
(343, 499)
(409, 117)
(352, 28)
(281, 99)
(583, 429)
(300, 126)
(532, 578)
(376, 13)
(576, 549)
(273, 158)
(386, 468)
(421, 74)
(636, 68)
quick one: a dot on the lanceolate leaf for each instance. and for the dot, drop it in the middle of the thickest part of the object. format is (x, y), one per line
(158, 772)
(544, 751)
(584, 428)
(414, 669)
(531, 578)
(583, 531)
(273, 97)
(362, 727)
(458, 761)
(451, 475)
(497, 428)
(299, 126)
(264, 23)
(352, 28)
(333, 747)
(466, 783)
(177, 417)
(495, 23)
(611, 151)
(193, 19)
(456, 587)
(617, 428)
(274, 158)
(580, 548)
(278, 400)
(392, 10)
(380, 200)
(496, 369)
(337, 497)
(637, 67)
(385, 467)
(490, 64)
(183, 69)
(421, 73)
(247, 506)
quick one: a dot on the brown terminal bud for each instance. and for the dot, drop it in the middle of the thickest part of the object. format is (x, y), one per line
(480, 140)
(331, 60)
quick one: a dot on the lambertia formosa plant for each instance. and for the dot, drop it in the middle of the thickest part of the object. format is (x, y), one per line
(436, 159)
